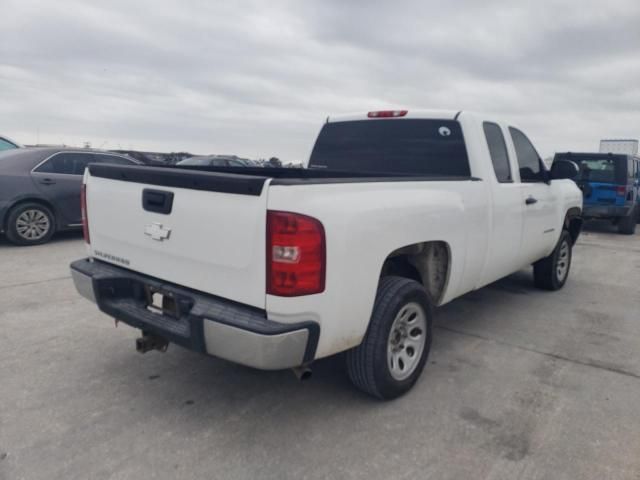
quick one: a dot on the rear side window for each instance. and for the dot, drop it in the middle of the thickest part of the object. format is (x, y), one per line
(66, 163)
(398, 146)
(498, 152)
(529, 161)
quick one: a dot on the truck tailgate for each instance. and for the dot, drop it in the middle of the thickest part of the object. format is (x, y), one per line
(212, 238)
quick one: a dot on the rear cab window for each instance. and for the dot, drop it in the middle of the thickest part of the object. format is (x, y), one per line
(422, 147)
(498, 152)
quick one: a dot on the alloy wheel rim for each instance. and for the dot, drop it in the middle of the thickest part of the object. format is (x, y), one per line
(406, 342)
(564, 258)
(33, 224)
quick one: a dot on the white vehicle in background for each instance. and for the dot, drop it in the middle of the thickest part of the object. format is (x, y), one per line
(628, 146)
(397, 212)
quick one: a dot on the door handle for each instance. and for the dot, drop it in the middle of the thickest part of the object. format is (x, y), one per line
(531, 201)
(47, 181)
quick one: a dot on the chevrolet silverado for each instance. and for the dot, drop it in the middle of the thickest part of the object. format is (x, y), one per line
(396, 213)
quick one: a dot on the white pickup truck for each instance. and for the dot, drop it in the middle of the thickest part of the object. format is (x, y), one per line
(397, 212)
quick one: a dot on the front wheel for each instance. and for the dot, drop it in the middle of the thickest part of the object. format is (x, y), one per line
(551, 272)
(395, 348)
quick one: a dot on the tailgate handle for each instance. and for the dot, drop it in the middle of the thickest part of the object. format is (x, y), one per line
(157, 201)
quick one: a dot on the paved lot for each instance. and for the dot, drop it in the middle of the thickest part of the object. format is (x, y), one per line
(520, 384)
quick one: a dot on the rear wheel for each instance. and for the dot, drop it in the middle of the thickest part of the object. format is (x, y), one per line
(30, 224)
(627, 225)
(551, 272)
(393, 353)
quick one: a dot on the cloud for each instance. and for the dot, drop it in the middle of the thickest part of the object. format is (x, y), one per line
(258, 78)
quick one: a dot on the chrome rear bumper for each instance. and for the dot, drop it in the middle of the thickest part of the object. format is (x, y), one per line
(204, 323)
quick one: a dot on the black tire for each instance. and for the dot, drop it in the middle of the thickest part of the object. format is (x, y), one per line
(627, 225)
(44, 221)
(547, 272)
(368, 365)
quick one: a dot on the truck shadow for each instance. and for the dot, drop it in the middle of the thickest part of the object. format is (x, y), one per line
(180, 380)
(600, 226)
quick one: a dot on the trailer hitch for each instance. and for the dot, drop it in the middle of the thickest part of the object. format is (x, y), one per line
(149, 341)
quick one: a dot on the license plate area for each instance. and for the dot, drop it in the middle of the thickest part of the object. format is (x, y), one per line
(161, 302)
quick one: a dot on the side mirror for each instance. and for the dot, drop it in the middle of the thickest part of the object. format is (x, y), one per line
(564, 169)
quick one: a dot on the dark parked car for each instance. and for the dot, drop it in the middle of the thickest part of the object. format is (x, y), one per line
(40, 190)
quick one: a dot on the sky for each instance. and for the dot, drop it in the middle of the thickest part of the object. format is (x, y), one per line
(258, 78)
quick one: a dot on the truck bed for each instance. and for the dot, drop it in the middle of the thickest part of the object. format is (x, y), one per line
(246, 180)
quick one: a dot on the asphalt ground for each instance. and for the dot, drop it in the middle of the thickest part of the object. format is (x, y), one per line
(520, 384)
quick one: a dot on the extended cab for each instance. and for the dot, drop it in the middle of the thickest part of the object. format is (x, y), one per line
(397, 212)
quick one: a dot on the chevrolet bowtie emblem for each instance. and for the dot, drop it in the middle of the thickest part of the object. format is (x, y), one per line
(157, 232)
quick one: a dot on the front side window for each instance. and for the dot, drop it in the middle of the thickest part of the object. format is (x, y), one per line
(66, 163)
(400, 146)
(529, 161)
(498, 152)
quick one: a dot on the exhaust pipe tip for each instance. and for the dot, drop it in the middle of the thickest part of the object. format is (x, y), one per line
(302, 373)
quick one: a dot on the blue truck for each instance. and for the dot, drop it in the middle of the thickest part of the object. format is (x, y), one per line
(610, 184)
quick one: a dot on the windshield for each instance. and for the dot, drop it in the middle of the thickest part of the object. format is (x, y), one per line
(407, 146)
(599, 168)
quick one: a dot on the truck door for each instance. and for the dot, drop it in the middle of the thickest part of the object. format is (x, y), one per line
(505, 230)
(539, 232)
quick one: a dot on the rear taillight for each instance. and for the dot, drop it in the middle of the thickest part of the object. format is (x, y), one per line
(621, 190)
(387, 113)
(295, 254)
(85, 216)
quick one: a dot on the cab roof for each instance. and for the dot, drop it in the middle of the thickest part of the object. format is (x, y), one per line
(399, 113)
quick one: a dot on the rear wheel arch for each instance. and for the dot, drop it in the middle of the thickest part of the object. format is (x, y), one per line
(428, 263)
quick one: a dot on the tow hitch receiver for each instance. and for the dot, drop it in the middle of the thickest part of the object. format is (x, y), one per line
(148, 342)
